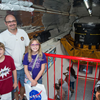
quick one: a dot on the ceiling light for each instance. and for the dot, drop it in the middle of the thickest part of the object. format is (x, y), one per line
(90, 11)
(88, 7)
(86, 4)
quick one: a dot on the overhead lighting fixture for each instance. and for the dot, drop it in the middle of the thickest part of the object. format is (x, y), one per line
(90, 11)
(86, 4)
(88, 7)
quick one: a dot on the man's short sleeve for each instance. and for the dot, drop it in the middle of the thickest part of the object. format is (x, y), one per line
(12, 64)
(27, 40)
(1, 40)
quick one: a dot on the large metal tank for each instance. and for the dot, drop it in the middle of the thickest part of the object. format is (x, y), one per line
(87, 33)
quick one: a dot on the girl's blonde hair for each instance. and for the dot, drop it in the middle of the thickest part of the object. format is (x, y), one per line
(30, 51)
(2, 46)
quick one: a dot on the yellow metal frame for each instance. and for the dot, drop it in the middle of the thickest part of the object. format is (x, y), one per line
(68, 43)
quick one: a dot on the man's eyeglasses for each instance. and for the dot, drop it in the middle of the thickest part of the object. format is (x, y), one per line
(34, 44)
(8, 22)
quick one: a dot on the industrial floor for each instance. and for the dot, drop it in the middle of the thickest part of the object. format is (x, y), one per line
(80, 91)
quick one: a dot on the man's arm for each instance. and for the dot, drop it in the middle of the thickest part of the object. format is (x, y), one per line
(26, 49)
(27, 41)
(1, 40)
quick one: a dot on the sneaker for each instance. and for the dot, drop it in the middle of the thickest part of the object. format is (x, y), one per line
(72, 91)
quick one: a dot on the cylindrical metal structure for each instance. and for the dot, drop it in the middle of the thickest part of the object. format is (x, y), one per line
(87, 33)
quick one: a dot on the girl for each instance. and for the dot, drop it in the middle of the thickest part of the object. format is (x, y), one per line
(34, 49)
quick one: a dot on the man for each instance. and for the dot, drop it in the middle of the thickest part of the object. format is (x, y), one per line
(16, 42)
(65, 88)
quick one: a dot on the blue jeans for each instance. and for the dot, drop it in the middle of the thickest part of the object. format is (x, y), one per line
(72, 85)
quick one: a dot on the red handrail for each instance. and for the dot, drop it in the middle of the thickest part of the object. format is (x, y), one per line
(77, 81)
(73, 58)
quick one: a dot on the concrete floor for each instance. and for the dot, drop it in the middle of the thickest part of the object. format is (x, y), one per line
(80, 91)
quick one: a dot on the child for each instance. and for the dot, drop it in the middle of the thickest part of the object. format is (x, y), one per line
(7, 67)
(72, 78)
(58, 95)
(65, 88)
(34, 49)
(97, 86)
(98, 93)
